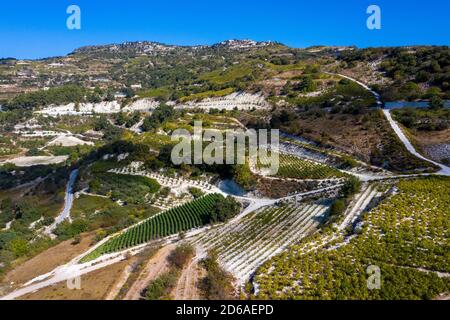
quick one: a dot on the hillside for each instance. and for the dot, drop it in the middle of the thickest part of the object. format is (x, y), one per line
(301, 84)
(86, 146)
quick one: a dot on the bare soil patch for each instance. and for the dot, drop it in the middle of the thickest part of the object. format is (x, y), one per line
(69, 141)
(156, 266)
(433, 144)
(279, 188)
(94, 286)
(38, 160)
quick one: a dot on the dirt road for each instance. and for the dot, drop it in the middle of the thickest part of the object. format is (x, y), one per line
(187, 285)
(155, 266)
(119, 283)
(444, 170)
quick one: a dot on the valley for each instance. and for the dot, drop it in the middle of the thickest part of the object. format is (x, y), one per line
(89, 189)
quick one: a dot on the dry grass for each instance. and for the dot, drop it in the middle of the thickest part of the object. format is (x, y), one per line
(431, 143)
(94, 286)
(48, 260)
(426, 138)
(154, 267)
(278, 188)
(348, 133)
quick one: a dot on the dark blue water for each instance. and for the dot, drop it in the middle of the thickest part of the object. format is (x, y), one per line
(413, 104)
(230, 187)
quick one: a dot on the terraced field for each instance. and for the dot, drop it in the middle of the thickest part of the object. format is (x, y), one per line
(186, 217)
(406, 236)
(361, 203)
(245, 244)
(297, 168)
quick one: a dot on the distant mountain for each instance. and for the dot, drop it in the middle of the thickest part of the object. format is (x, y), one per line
(172, 71)
(150, 47)
(138, 47)
(243, 44)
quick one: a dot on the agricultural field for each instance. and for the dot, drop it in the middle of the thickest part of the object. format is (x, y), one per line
(246, 243)
(207, 94)
(294, 167)
(406, 236)
(219, 120)
(153, 140)
(183, 218)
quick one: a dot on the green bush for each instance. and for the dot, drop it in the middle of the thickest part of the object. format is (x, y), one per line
(196, 193)
(338, 207)
(181, 255)
(351, 187)
(161, 287)
(217, 284)
(67, 230)
(41, 98)
(224, 209)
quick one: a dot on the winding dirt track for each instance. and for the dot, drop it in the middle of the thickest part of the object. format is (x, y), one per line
(119, 283)
(186, 288)
(445, 170)
(155, 266)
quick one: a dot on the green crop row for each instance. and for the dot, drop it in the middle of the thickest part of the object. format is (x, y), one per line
(185, 217)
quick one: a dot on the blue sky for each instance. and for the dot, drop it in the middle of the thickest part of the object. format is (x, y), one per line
(36, 29)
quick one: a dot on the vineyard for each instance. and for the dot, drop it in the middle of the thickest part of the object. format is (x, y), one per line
(406, 236)
(186, 217)
(245, 244)
(173, 183)
(297, 168)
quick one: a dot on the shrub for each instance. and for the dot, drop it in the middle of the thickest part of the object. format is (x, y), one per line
(19, 247)
(196, 193)
(181, 255)
(224, 209)
(161, 286)
(436, 103)
(337, 207)
(351, 186)
(217, 285)
(67, 230)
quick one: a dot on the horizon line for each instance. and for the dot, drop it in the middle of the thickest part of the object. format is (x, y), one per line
(216, 43)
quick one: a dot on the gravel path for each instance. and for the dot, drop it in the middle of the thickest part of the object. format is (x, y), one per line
(68, 202)
(155, 266)
(444, 169)
(186, 288)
